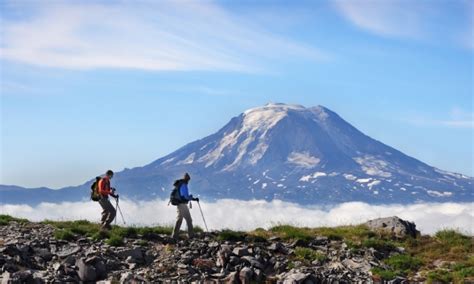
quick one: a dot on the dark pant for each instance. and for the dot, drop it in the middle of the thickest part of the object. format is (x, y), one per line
(108, 212)
(183, 212)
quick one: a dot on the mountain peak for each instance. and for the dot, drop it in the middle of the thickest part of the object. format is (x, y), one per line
(276, 107)
(299, 154)
(276, 111)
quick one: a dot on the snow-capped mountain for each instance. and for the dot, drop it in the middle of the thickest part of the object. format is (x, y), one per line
(293, 153)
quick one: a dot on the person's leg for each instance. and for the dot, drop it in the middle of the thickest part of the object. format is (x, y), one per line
(189, 221)
(104, 212)
(110, 213)
(179, 220)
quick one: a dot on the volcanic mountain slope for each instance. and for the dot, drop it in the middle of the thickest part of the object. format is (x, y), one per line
(289, 152)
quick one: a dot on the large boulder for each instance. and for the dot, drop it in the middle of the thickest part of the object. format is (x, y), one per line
(395, 226)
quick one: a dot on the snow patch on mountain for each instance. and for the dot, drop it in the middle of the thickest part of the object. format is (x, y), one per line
(313, 176)
(363, 180)
(303, 159)
(349, 177)
(439, 193)
(373, 166)
(373, 183)
(320, 112)
(168, 161)
(189, 159)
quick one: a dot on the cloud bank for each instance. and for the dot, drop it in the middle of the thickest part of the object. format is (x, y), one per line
(248, 215)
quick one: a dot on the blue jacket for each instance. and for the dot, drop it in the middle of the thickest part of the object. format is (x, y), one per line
(184, 192)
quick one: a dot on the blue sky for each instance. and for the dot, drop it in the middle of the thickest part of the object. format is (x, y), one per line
(96, 85)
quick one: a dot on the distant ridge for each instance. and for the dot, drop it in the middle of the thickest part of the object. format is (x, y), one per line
(282, 151)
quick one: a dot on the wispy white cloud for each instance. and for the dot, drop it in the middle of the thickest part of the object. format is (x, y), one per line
(248, 215)
(457, 118)
(161, 35)
(385, 18)
(430, 21)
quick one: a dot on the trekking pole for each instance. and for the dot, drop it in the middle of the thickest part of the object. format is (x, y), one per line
(205, 224)
(116, 207)
(120, 211)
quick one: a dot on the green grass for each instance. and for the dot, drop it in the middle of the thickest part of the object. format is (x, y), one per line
(229, 235)
(404, 262)
(385, 274)
(456, 273)
(439, 275)
(420, 253)
(354, 234)
(115, 241)
(445, 245)
(399, 265)
(452, 238)
(287, 232)
(64, 234)
(6, 219)
(307, 254)
(79, 227)
(379, 244)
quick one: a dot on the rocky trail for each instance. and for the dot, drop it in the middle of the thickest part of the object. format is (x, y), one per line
(31, 253)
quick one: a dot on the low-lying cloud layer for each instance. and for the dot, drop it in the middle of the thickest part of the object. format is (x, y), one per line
(247, 215)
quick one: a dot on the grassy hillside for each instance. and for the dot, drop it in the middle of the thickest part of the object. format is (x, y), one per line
(447, 256)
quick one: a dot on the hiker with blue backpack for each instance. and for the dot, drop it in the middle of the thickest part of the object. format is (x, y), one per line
(180, 197)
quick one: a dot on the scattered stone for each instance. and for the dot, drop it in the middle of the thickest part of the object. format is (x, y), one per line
(394, 226)
(240, 251)
(68, 250)
(35, 256)
(86, 272)
(245, 275)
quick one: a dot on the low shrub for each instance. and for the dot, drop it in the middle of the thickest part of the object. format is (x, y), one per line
(115, 241)
(6, 219)
(64, 234)
(229, 235)
(308, 254)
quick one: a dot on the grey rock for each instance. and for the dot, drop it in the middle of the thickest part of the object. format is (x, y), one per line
(44, 253)
(299, 243)
(99, 266)
(295, 278)
(398, 280)
(240, 251)
(6, 277)
(245, 275)
(394, 226)
(68, 250)
(361, 265)
(129, 277)
(86, 272)
(252, 261)
(277, 247)
(136, 254)
(232, 278)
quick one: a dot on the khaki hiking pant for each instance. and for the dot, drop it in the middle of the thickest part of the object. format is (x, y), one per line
(183, 212)
(108, 212)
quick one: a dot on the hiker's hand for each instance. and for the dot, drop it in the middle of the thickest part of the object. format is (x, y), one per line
(115, 196)
(196, 199)
(113, 189)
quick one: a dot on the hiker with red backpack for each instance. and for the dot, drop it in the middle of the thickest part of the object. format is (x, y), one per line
(180, 197)
(104, 190)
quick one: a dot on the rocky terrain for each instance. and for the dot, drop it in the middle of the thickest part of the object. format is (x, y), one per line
(46, 253)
